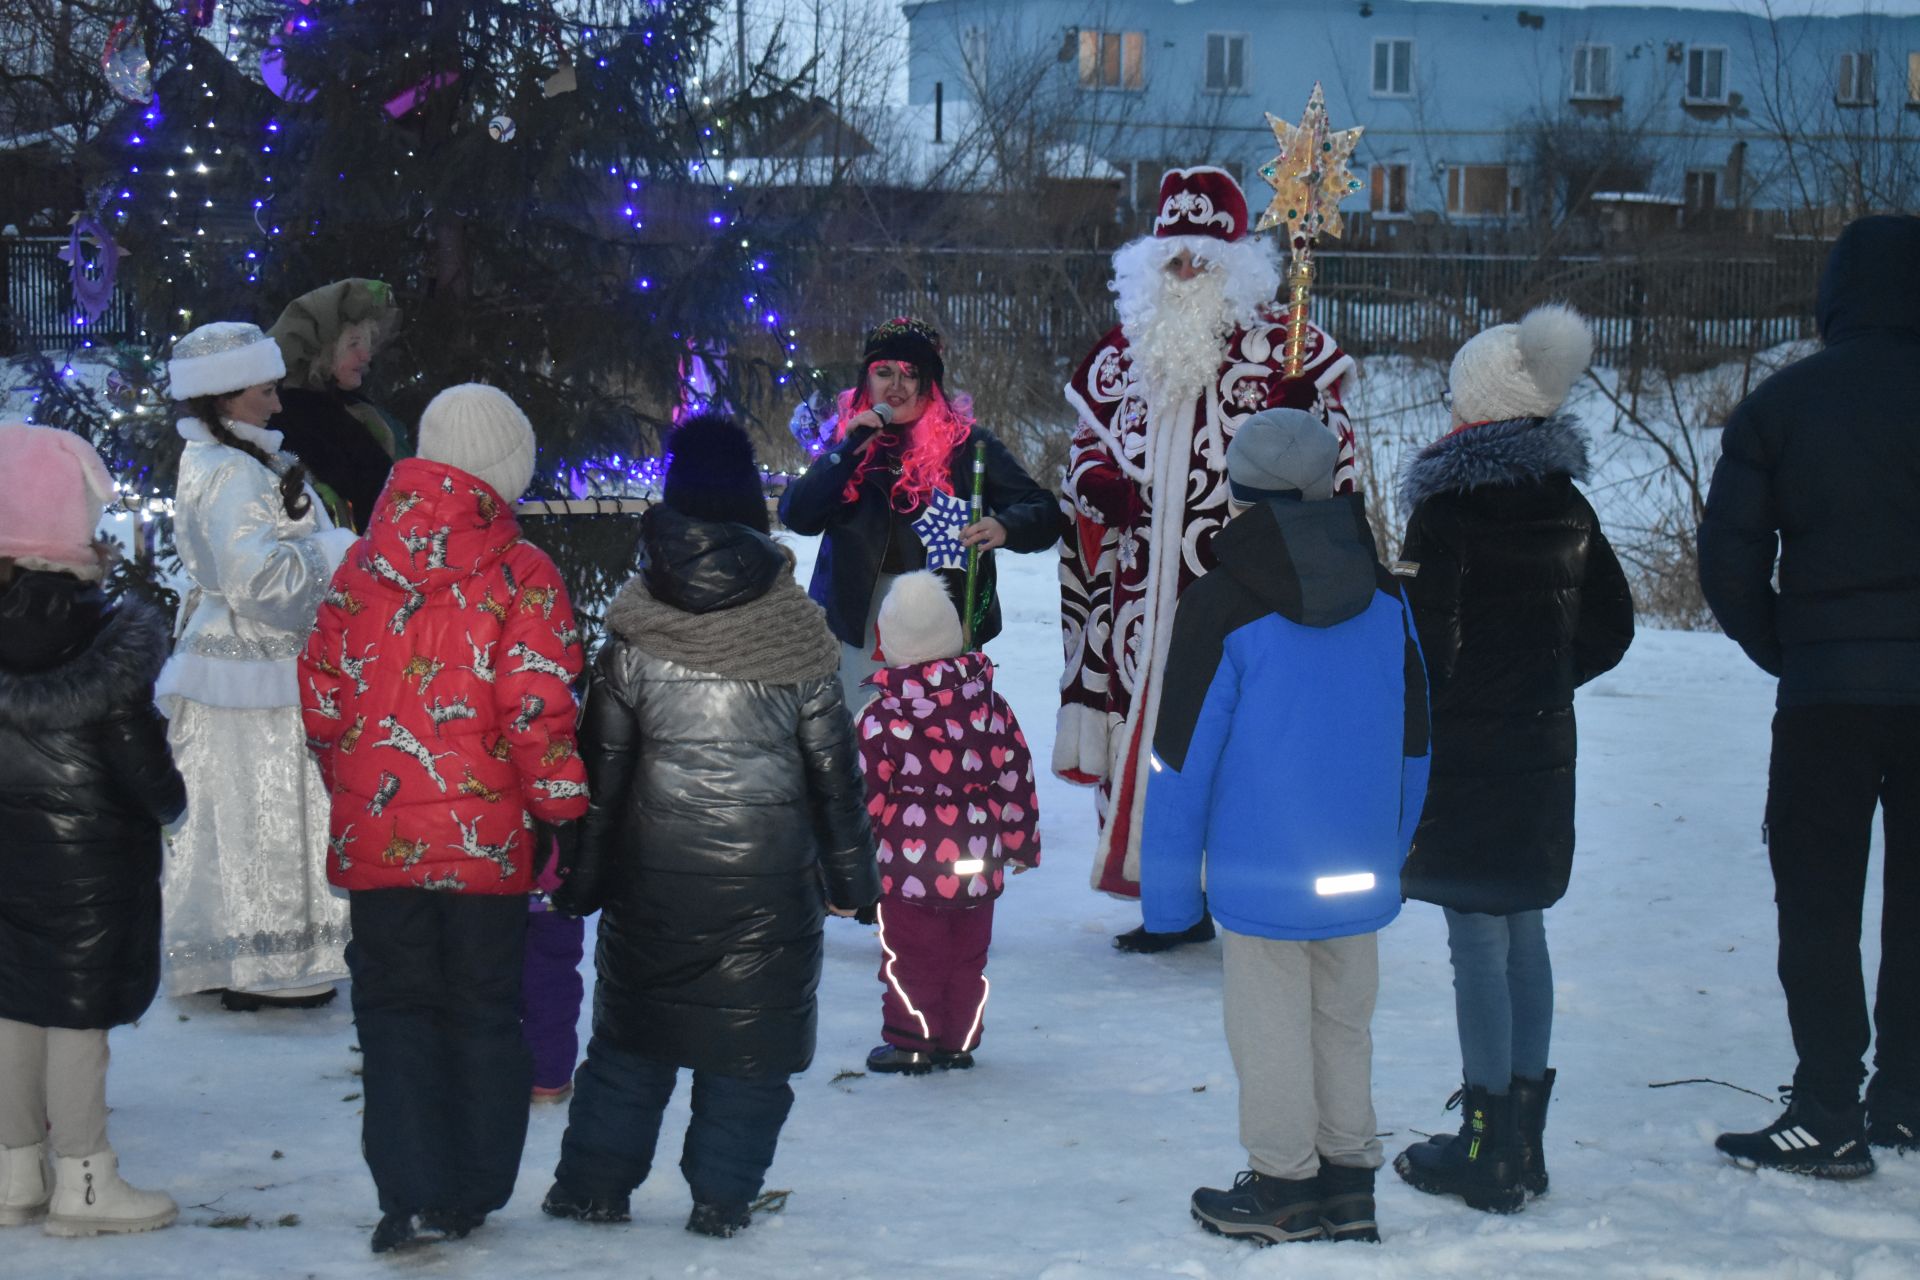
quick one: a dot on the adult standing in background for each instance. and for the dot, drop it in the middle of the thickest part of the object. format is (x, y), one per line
(1820, 470)
(899, 445)
(328, 338)
(1198, 349)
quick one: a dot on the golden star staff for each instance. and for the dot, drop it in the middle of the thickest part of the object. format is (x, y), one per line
(1309, 179)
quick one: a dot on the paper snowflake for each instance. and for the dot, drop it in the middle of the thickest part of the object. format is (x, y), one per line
(939, 529)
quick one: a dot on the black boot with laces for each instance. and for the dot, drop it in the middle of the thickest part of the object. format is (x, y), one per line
(1480, 1164)
(1810, 1138)
(1262, 1208)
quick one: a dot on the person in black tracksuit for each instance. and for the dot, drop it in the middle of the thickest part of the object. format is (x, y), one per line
(1820, 468)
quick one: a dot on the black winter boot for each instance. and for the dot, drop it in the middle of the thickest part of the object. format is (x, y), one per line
(564, 1202)
(892, 1060)
(720, 1220)
(1530, 1098)
(1480, 1164)
(1893, 1117)
(1346, 1203)
(402, 1231)
(1261, 1208)
(1809, 1138)
(1140, 942)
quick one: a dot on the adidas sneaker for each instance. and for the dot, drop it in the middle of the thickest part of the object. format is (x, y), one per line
(1809, 1139)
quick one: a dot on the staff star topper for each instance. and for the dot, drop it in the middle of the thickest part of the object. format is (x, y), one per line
(1309, 177)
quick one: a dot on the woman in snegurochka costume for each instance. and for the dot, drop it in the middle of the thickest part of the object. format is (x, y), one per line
(878, 475)
(328, 337)
(248, 911)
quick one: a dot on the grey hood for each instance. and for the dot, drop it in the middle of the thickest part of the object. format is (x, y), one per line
(1311, 562)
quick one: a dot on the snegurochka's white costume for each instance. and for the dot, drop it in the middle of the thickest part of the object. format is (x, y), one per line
(246, 900)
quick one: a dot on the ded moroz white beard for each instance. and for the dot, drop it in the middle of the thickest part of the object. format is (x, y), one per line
(1178, 330)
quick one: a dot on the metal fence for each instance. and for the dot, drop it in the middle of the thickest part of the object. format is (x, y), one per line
(36, 288)
(1689, 310)
(1676, 311)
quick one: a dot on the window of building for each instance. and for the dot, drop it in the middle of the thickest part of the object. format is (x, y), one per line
(1226, 62)
(1387, 189)
(1913, 79)
(1481, 191)
(1702, 190)
(1593, 71)
(1113, 59)
(1853, 80)
(1393, 68)
(1706, 74)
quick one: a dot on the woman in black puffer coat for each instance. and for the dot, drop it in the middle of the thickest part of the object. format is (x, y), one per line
(728, 817)
(86, 782)
(1518, 600)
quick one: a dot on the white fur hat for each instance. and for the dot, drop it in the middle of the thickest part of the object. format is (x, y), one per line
(480, 430)
(917, 621)
(1520, 370)
(221, 358)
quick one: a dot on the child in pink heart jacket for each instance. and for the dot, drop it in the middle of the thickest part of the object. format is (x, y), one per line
(951, 796)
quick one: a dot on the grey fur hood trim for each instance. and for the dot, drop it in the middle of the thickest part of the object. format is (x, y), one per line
(1509, 452)
(114, 673)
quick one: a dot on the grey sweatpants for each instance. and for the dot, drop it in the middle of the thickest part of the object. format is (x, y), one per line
(1299, 1025)
(49, 1075)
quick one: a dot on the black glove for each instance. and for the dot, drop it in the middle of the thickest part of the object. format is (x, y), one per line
(869, 914)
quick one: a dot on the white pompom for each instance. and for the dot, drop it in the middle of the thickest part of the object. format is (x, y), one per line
(1555, 348)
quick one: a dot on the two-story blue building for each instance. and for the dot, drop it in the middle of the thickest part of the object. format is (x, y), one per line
(1475, 113)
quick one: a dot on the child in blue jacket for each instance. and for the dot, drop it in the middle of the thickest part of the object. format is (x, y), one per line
(1290, 758)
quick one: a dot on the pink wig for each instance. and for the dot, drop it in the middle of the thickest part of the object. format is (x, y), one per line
(932, 440)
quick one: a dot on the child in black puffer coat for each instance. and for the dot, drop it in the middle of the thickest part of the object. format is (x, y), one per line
(86, 783)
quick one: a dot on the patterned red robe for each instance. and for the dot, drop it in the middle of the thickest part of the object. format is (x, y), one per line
(1146, 488)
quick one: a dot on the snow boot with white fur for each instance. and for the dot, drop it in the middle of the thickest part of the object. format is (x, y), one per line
(90, 1198)
(23, 1184)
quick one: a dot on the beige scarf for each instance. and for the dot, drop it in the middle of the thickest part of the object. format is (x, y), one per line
(780, 638)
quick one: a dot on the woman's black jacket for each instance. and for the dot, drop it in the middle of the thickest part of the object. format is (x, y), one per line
(857, 532)
(86, 782)
(1517, 600)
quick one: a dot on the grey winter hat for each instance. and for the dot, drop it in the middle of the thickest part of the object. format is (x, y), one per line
(1282, 451)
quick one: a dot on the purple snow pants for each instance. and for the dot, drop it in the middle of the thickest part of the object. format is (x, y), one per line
(550, 995)
(933, 964)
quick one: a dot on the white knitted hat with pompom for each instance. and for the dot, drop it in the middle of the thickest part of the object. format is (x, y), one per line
(1520, 370)
(917, 621)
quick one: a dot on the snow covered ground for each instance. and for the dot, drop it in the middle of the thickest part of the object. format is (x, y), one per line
(1104, 1093)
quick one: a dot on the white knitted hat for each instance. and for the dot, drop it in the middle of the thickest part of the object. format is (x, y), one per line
(221, 358)
(917, 621)
(1520, 370)
(480, 430)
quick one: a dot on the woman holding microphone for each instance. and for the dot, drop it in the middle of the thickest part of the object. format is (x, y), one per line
(895, 483)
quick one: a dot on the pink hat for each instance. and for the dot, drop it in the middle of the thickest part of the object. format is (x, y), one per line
(49, 507)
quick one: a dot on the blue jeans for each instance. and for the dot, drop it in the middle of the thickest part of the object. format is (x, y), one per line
(614, 1125)
(1502, 995)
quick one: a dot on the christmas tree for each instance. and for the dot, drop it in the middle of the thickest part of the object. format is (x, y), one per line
(542, 185)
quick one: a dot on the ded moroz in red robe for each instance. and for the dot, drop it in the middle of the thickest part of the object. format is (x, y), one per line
(1146, 488)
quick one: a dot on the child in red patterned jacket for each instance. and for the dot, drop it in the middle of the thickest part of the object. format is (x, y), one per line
(436, 688)
(951, 796)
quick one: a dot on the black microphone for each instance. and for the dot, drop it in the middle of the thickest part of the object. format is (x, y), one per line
(884, 412)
